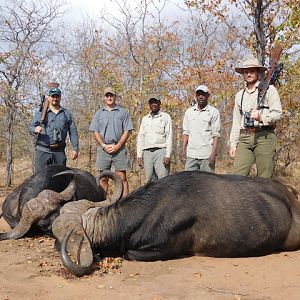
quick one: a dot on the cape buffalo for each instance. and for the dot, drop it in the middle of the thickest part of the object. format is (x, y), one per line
(188, 213)
(38, 199)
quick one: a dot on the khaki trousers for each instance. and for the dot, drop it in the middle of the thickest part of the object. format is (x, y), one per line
(259, 148)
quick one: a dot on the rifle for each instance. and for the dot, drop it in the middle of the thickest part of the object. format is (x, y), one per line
(271, 77)
(45, 102)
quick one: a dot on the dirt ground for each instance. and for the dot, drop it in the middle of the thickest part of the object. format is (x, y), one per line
(30, 268)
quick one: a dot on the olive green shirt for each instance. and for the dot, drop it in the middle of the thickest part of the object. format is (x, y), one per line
(270, 114)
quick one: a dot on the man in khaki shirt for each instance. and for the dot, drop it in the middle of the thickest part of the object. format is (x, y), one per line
(252, 138)
(154, 141)
(201, 132)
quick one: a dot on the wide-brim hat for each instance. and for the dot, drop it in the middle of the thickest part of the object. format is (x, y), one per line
(250, 63)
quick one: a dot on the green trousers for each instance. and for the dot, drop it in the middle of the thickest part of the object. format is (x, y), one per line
(259, 148)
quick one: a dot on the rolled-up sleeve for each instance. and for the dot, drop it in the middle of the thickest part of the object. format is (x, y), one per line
(273, 114)
(140, 140)
(169, 135)
(185, 125)
(236, 124)
(216, 123)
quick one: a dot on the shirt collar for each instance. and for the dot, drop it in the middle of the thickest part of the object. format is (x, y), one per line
(104, 108)
(207, 107)
(256, 86)
(157, 115)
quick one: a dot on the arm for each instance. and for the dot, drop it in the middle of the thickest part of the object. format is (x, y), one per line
(185, 140)
(73, 133)
(235, 128)
(169, 136)
(216, 126)
(185, 136)
(268, 117)
(34, 127)
(140, 144)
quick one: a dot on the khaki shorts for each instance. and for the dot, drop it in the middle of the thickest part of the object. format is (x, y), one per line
(118, 161)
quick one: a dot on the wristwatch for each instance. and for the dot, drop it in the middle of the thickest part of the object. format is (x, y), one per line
(103, 145)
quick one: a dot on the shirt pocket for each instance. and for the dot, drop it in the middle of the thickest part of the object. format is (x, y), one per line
(206, 123)
(159, 127)
(102, 122)
(62, 122)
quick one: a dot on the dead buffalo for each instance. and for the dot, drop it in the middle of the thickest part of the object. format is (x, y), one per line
(188, 213)
(38, 199)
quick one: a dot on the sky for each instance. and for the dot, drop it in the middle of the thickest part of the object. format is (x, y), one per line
(93, 8)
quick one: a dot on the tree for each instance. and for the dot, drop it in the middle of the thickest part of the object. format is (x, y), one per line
(24, 36)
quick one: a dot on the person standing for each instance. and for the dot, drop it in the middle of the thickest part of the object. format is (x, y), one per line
(252, 137)
(201, 132)
(51, 128)
(112, 126)
(154, 141)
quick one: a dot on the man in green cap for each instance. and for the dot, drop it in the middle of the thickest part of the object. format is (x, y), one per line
(51, 128)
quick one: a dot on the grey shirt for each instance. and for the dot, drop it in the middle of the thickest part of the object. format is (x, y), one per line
(62, 123)
(111, 124)
(201, 125)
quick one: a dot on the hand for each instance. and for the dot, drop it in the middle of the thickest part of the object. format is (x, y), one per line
(167, 161)
(38, 129)
(183, 156)
(255, 115)
(212, 159)
(232, 151)
(111, 148)
(74, 154)
(140, 162)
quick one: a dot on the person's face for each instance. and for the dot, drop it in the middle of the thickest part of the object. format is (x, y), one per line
(202, 98)
(154, 105)
(110, 99)
(55, 100)
(251, 75)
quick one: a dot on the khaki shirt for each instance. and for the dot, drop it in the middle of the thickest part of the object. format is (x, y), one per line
(201, 125)
(269, 115)
(155, 131)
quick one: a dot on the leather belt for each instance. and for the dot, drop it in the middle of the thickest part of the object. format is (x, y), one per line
(152, 149)
(250, 130)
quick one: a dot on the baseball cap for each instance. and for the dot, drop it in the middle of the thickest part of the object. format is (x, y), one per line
(54, 91)
(202, 88)
(154, 97)
(109, 90)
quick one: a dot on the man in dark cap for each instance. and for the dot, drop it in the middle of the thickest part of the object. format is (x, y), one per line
(252, 138)
(154, 141)
(51, 128)
(112, 126)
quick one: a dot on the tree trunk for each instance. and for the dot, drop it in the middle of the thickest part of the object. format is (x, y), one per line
(9, 147)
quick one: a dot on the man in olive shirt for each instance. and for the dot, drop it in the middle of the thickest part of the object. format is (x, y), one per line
(112, 126)
(201, 132)
(252, 138)
(154, 141)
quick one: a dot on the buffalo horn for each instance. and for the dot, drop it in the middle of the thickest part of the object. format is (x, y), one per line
(118, 184)
(76, 269)
(38, 208)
